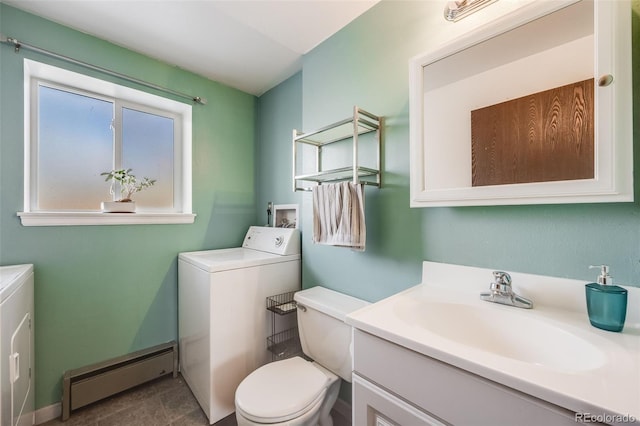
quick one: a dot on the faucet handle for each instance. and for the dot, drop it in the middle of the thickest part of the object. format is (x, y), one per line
(501, 277)
(500, 291)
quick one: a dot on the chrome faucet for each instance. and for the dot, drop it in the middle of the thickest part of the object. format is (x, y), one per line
(501, 292)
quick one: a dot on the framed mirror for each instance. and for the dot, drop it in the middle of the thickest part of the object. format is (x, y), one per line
(532, 108)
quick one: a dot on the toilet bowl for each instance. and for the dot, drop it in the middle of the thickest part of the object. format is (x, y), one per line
(295, 391)
(289, 392)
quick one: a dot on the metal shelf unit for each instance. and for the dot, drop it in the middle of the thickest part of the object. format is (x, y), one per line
(362, 122)
(286, 343)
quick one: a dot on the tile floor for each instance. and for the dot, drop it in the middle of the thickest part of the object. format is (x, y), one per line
(163, 402)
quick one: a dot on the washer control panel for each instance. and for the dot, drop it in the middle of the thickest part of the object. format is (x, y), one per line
(282, 241)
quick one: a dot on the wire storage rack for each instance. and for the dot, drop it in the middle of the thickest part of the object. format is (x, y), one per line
(282, 304)
(285, 344)
(284, 341)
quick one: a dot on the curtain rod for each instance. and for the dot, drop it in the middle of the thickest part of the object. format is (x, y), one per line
(18, 45)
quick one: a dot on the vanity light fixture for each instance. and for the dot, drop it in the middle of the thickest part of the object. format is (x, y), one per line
(458, 9)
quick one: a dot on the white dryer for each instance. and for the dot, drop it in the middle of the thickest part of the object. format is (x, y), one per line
(17, 394)
(222, 318)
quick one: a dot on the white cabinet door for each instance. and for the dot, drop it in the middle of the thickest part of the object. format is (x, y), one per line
(373, 406)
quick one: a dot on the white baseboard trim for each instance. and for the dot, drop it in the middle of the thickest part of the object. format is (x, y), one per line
(343, 408)
(48, 413)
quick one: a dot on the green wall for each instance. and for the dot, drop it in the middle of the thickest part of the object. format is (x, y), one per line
(366, 64)
(279, 112)
(104, 291)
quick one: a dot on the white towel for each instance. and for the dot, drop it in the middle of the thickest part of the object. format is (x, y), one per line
(338, 215)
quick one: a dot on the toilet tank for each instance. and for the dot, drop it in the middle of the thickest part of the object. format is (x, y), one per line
(324, 335)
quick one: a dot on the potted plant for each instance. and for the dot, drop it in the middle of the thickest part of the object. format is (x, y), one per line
(128, 185)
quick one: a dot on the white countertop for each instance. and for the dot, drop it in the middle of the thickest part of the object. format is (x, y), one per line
(605, 381)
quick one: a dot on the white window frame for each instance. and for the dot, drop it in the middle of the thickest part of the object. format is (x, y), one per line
(35, 72)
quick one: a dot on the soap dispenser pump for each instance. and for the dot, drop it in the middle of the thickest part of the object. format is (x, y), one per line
(606, 303)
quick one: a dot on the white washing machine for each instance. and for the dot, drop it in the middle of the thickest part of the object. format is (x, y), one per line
(222, 318)
(17, 398)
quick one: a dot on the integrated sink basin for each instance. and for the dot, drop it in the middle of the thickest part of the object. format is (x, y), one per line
(550, 352)
(504, 331)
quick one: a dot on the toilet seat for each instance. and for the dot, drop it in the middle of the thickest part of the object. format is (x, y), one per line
(281, 391)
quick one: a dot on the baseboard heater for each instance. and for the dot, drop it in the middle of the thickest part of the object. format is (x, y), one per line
(94, 382)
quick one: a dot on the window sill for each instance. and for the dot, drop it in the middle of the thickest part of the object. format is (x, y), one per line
(99, 218)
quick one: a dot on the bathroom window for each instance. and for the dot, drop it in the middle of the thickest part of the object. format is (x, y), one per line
(78, 127)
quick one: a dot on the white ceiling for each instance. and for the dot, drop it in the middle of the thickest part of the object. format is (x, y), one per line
(251, 45)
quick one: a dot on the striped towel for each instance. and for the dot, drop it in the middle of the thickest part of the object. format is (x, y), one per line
(338, 215)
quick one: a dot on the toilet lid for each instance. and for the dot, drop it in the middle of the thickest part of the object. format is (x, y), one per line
(281, 390)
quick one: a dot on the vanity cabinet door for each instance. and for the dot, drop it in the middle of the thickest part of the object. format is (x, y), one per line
(373, 406)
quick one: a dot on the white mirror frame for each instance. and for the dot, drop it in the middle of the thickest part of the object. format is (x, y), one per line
(613, 173)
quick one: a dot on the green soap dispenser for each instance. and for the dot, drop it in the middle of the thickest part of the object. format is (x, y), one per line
(606, 303)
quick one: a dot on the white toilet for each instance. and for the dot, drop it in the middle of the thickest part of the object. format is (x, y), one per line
(295, 391)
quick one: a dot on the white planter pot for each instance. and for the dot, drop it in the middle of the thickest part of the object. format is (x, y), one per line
(118, 206)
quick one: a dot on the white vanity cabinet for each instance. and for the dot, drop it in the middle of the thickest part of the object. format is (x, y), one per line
(438, 354)
(395, 386)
